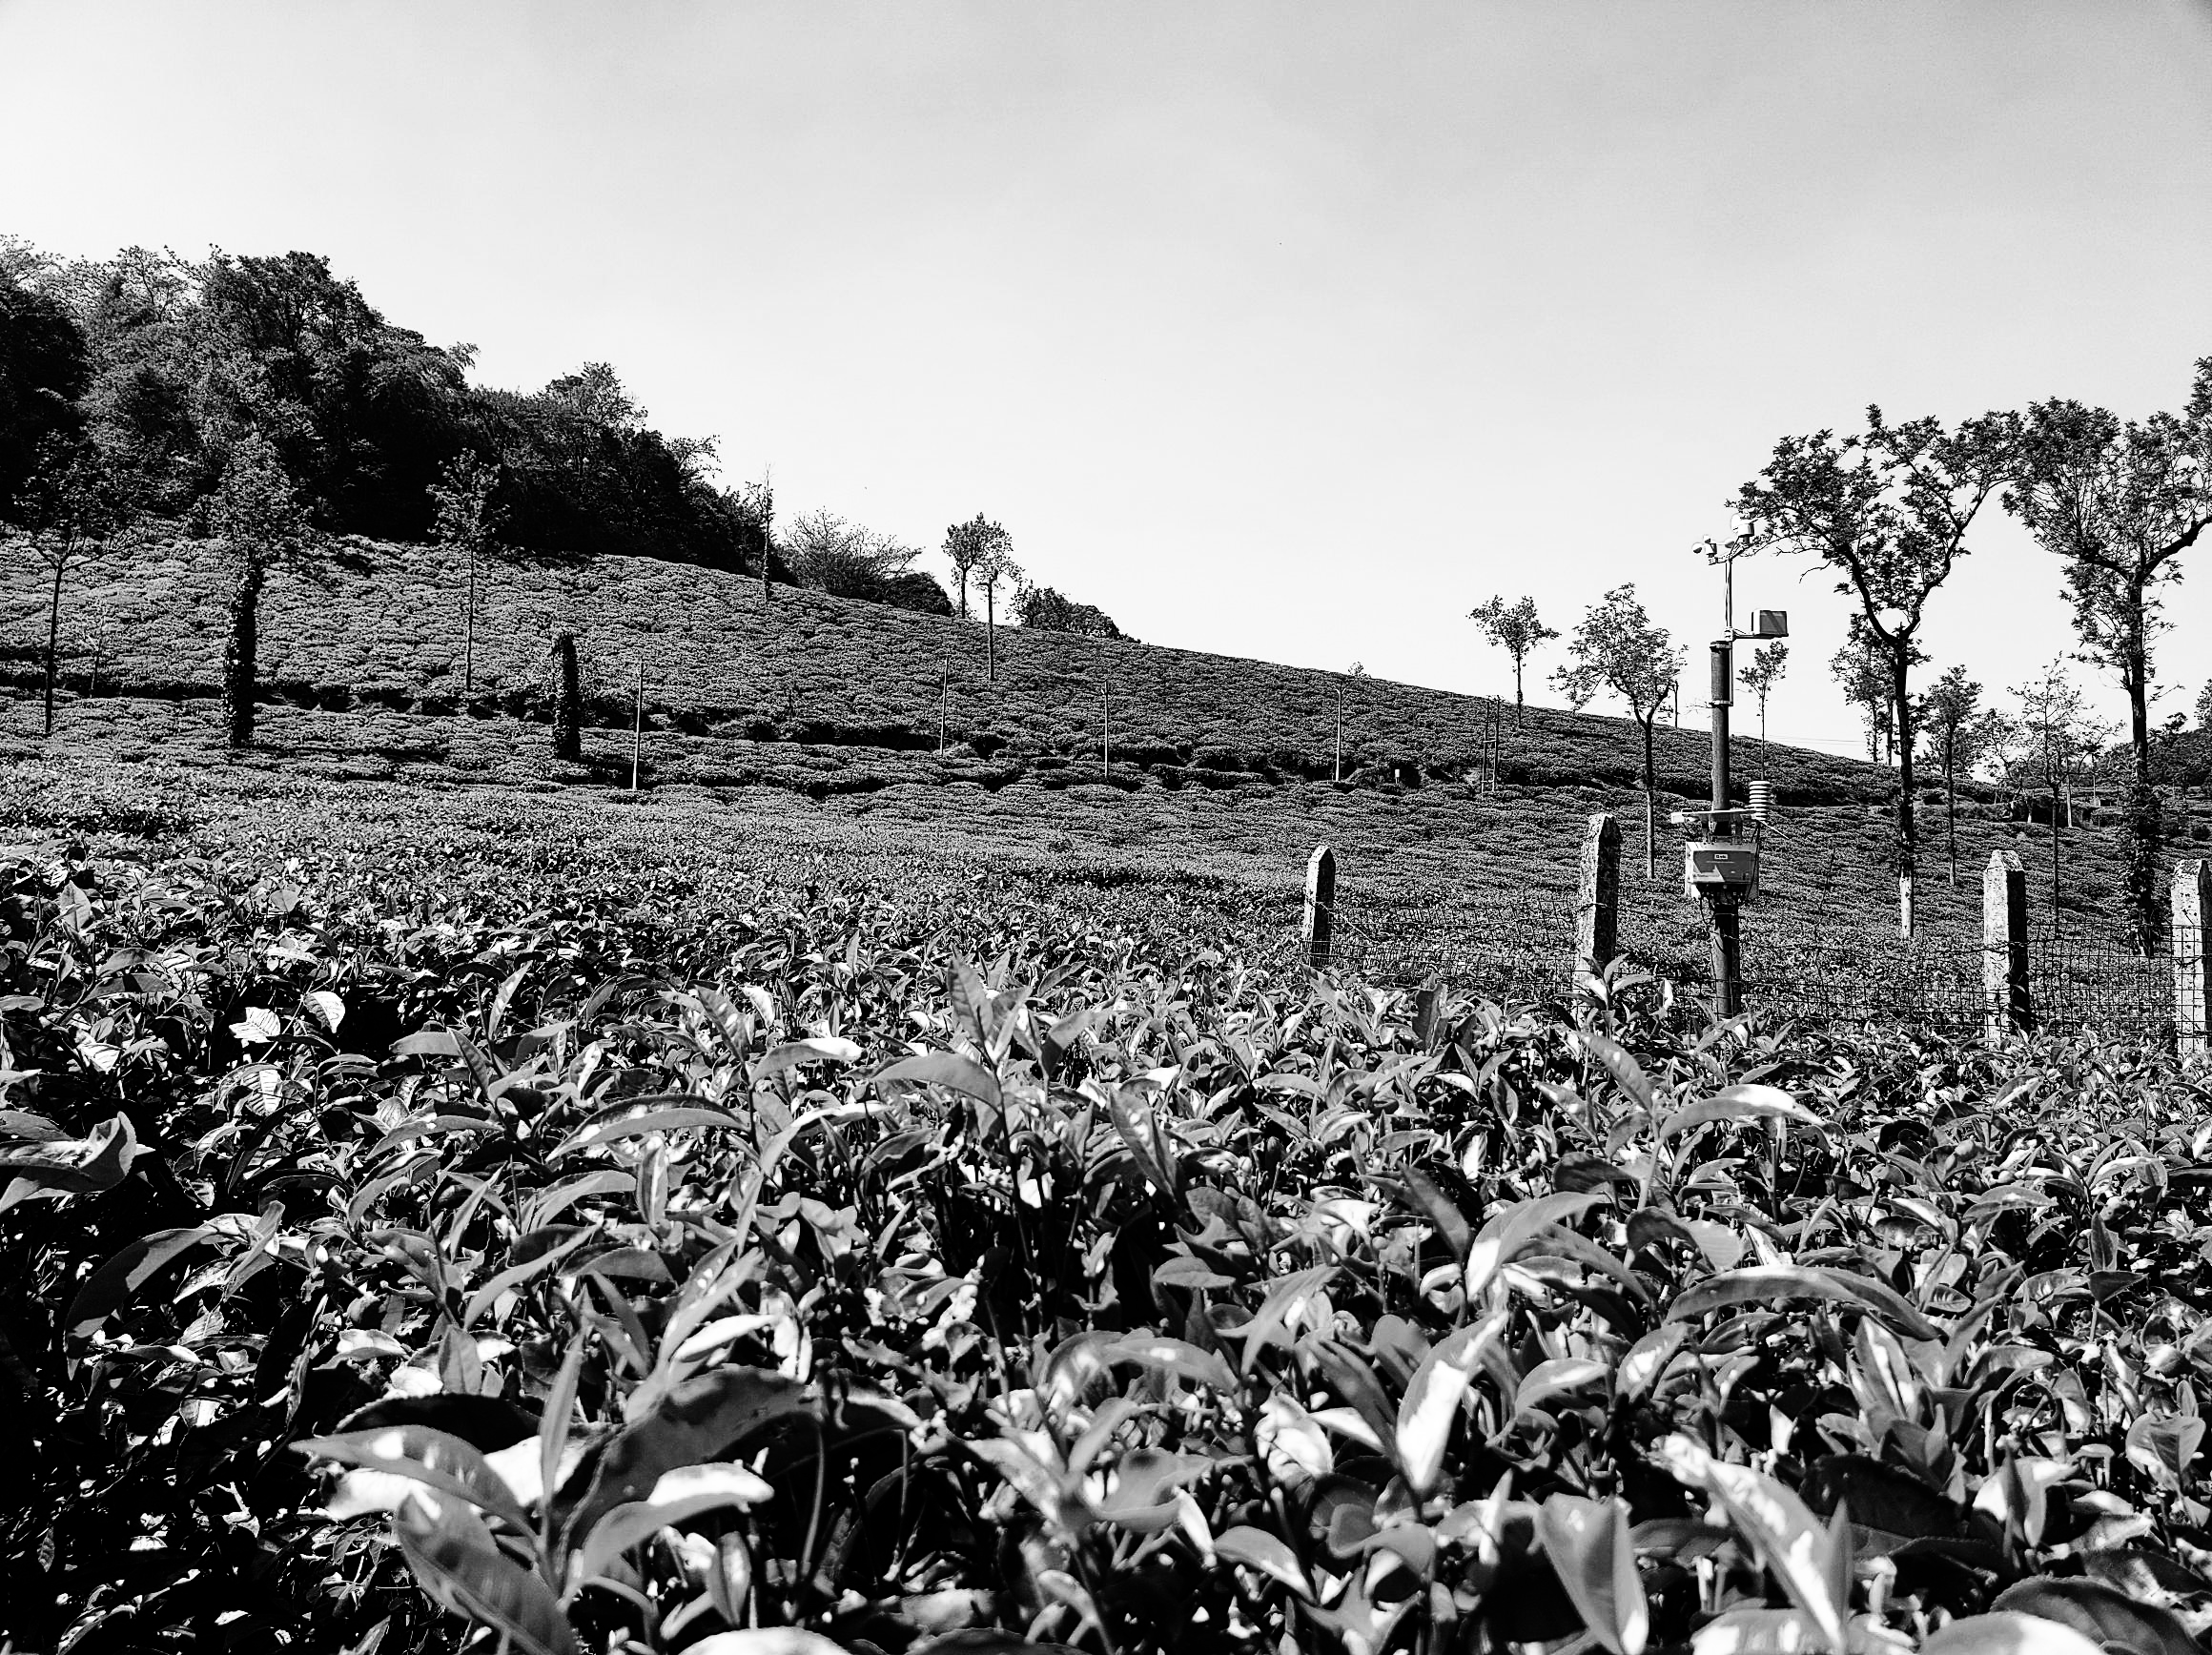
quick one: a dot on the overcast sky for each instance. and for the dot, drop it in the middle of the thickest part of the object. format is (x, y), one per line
(1289, 331)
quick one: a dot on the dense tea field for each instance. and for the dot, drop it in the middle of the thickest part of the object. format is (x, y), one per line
(450, 1208)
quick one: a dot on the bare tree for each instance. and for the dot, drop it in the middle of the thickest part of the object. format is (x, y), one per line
(1889, 510)
(2119, 505)
(1619, 650)
(1516, 630)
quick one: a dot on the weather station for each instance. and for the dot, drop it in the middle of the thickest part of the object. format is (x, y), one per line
(1720, 857)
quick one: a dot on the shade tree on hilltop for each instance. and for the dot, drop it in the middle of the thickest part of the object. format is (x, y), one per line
(1888, 509)
(966, 547)
(69, 504)
(846, 559)
(1861, 671)
(1517, 630)
(1619, 650)
(260, 524)
(1043, 609)
(2118, 504)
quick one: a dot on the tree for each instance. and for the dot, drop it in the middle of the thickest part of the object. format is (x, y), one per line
(1619, 650)
(1768, 662)
(258, 515)
(466, 518)
(1889, 510)
(44, 370)
(848, 560)
(1862, 669)
(1041, 609)
(2055, 727)
(69, 502)
(966, 545)
(1954, 726)
(1514, 628)
(2119, 505)
(2204, 706)
(567, 700)
(994, 569)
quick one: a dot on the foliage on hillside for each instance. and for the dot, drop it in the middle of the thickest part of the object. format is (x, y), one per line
(176, 360)
(618, 1270)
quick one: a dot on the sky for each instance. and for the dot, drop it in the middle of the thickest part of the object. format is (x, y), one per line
(1281, 330)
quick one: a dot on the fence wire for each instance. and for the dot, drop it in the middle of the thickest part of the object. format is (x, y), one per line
(1525, 951)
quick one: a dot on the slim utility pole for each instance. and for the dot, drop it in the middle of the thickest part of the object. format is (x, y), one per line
(638, 729)
(944, 694)
(1105, 731)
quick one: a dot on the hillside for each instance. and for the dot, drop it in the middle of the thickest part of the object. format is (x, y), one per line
(809, 730)
(766, 693)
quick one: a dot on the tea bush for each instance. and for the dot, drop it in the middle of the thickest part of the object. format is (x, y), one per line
(396, 1243)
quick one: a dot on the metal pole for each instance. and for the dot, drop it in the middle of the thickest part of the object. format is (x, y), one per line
(1105, 733)
(1721, 917)
(638, 729)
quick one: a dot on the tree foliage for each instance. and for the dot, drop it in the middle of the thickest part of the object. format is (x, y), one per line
(1762, 673)
(1888, 509)
(1517, 630)
(256, 516)
(846, 559)
(67, 502)
(1043, 609)
(2118, 504)
(1619, 650)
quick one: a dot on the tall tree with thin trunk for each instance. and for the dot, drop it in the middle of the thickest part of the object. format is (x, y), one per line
(1951, 716)
(994, 569)
(69, 504)
(1516, 630)
(1888, 509)
(466, 518)
(258, 518)
(966, 545)
(2054, 723)
(1619, 650)
(2119, 505)
(1767, 663)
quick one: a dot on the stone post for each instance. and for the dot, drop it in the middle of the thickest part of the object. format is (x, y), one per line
(2192, 900)
(2005, 946)
(1597, 902)
(1320, 899)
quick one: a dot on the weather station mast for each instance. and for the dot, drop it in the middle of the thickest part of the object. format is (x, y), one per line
(1720, 859)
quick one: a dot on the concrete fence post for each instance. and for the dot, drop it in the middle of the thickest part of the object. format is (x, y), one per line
(2192, 900)
(1597, 902)
(1320, 901)
(2005, 946)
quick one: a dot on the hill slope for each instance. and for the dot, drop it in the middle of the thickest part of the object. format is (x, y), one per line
(816, 672)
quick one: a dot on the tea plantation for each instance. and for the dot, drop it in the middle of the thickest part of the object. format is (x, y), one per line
(737, 1223)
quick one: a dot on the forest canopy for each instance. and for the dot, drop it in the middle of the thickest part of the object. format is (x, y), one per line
(166, 364)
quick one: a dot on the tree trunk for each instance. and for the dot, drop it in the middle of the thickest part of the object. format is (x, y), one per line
(1520, 706)
(991, 632)
(238, 654)
(2142, 798)
(568, 702)
(53, 636)
(1651, 788)
(1906, 837)
(1950, 805)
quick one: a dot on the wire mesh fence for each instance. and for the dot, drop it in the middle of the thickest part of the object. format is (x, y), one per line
(1524, 949)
